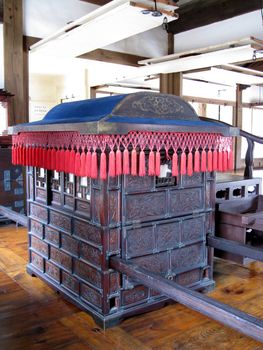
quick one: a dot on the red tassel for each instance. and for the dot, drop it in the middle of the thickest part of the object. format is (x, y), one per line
(62, 159)
(197, 161)
(151, 164)
(23, 158)
(40, 159)
(49, 153)
(157, 164)
(230, 161)
(112, 171)
(203, 161)
(183, 163)
(190, 164)
(34, 156)
(103, 166)
(19, 155)
(67, 161)
(134, 162)
(175, 164)
(77, 164)
(82, 164)
(220, 161)
(225, 160)
(72, 162)
(44, 158)
(57, 167)
(13, 155)
(209, 160)
(126, 162)
(88, 164)
(26, 155)
(53, 159)
(142, 169)
(94, 165)
(118, 162)
(215, 160)
(31, 152)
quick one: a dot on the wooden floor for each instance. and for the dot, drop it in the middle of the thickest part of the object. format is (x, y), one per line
(32, 316)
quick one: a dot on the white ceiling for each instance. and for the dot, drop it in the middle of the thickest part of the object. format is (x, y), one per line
(43, 18)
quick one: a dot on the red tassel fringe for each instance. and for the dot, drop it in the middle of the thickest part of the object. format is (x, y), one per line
(230, 161)
(44, 151)
(118, 162)
(94, 165)
(77, 165)
(209, 161)
(220, 161)
(134, 162)
(112, 170)
(190, 164)
(126, 162)
(88, 164)
(175, 171)
(142, 169)
(103, 166)
(151, 164)
(158, 164)
(203, 161)
(183, 164)
(82, 164)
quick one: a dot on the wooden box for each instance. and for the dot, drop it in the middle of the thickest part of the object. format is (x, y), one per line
(76, 225)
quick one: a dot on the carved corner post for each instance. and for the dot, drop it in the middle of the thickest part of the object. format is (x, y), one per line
(171, 83)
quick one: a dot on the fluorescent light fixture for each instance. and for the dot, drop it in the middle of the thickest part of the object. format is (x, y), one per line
(245, 70)
(204, 60)
(115, 21)
(223, 76)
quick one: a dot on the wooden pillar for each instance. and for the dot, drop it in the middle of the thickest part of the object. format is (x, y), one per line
(238, 123)
(15, 79)
(171, 83)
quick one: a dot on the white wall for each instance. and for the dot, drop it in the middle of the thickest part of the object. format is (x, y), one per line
(1, 57)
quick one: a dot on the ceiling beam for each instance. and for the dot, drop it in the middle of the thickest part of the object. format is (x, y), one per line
(112, 57)
(198, 13)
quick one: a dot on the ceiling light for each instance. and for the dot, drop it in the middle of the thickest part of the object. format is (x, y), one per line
(115, 21)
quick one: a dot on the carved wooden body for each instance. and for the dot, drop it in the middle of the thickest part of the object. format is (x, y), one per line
(76, 225)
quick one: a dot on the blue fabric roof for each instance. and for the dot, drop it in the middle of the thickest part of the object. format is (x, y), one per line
(139, 108)
(81, 111)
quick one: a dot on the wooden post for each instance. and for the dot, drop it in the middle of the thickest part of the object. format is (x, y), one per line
(171, 83)
(238, 123)
(14, 61)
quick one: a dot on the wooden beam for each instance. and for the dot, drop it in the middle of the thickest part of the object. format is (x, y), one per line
(198, 13)
(29, 40)
(112, 57)
(229, 316)
(235, 247)
(14, 216)
(14, 60)
(1, 11)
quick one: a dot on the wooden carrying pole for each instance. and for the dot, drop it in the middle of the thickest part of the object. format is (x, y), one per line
(235, 247)
(229, 316)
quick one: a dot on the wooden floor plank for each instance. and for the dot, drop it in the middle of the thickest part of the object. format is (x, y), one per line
(33, 316)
